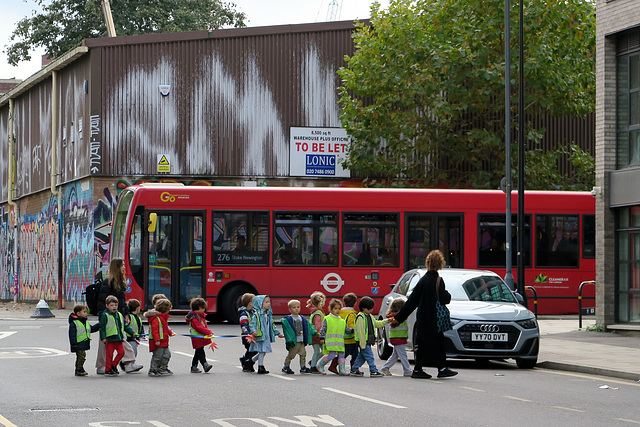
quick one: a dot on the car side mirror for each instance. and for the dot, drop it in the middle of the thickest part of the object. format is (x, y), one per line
(392, 286)
(519, 298)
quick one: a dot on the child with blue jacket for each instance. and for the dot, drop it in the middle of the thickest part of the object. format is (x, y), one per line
(80, 336)
(263, 330)
(297, 334)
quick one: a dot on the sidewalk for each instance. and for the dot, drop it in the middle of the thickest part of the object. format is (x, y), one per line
(562, 345)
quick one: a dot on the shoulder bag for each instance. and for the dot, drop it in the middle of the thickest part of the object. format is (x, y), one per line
(444, 317)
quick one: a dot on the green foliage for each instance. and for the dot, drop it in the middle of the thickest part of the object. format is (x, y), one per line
(63, 24)
(596, 327)
(423, 94)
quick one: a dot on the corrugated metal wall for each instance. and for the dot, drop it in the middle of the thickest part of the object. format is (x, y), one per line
(232, 100)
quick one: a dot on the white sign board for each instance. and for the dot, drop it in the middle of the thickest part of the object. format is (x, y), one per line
(318, 152)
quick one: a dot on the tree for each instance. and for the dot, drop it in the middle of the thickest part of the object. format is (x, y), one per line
(63, 24)
(423, 93)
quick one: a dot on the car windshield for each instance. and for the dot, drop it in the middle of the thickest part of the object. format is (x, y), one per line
(478, 288)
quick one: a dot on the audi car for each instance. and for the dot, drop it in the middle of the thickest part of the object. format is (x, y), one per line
(487, 320)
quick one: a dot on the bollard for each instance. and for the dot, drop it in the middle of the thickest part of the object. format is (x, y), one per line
(42, 310)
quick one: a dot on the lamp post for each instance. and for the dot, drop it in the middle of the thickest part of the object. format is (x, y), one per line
(508, 278)
(521, 132)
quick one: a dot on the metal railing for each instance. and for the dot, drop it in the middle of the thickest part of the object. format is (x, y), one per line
(580, 298)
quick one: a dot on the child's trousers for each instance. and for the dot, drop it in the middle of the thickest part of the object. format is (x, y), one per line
(81, 357)
(111, 361)
(160, 359)
(399, 353)
(300, 350)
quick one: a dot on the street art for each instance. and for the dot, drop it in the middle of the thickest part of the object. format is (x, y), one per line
(7, 240)
(78, 235)
(39, 254)
(102, 215)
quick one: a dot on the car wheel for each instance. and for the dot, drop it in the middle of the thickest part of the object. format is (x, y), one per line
(526, 363)
(384, 349)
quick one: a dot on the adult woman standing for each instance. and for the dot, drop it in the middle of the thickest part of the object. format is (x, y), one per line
(115, 285)
(431, 348)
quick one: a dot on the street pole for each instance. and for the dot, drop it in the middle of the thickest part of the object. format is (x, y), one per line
(521, 132)
(508, 278)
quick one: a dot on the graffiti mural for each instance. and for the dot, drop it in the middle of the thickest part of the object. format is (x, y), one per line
(7, 240)
(38, 254)
(78, 235)
(102, 216)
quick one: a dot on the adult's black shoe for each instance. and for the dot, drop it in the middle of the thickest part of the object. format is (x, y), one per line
(446, 372)
(420, 374)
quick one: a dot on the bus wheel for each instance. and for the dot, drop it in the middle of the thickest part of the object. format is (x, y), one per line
(231, 303)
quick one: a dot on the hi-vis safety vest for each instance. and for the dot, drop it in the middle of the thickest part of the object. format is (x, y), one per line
(112, 327)
(83, 331)
(192, 331)
(350, 338)
(160, 331)
(334, 338)
(400, 331)
(135, 324)
(363, 316)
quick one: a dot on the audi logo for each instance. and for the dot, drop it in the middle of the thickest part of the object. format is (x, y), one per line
(489, 328)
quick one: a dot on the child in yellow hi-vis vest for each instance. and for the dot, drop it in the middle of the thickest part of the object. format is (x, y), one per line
(366, 336)
(332, 334)
(80, 336)
(112, 333)
(398, 335)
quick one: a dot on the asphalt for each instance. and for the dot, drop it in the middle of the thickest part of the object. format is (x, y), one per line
(563, 345)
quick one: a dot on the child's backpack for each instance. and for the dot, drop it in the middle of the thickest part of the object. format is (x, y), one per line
(92, 292)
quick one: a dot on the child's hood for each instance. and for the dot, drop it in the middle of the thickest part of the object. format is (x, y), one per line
(194, 315)
(258, 300)
(74, 316)
(151, 313)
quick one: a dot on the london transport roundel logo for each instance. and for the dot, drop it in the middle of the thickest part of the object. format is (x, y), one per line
(332, 282)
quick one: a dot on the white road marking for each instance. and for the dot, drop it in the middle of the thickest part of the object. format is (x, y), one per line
(517, 398)
(6, 423)
(589, 377)
(568, 409)
(472, 389)
(29, 352)
(368, 399)
(6, 334)
(27, 327)
(627, 420)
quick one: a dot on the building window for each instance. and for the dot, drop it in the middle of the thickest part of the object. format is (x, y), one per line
(628, 100)
(628, 283)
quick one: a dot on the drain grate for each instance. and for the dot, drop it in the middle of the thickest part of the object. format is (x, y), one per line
(63, 409)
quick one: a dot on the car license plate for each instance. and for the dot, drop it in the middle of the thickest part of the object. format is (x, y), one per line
(485, 336)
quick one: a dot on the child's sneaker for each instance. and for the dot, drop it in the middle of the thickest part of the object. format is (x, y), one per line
(314, 370)
(165, 372)
(81, 372)
(154, 373)
(305, 370)
(376, 374)
(357, 373)
(207, 367)
(111, 373)
(385, 372)
(195, 370)
(408, 373)
(287, 370)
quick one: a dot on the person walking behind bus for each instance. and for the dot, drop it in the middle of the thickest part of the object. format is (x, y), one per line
(366, 336)
(135, 323)
(297, 334)
(398, 335)
(431, 344)
(348, 313)
(332, 334)
(159, 333)
(80, 336)
(316, 304)
(244, 314)
(196, 319)
(112, 333)
(115, 285)
(263, 329)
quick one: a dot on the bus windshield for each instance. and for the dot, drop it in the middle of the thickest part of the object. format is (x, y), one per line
(118, 230)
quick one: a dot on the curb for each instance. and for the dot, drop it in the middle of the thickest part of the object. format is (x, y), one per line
(560, 366)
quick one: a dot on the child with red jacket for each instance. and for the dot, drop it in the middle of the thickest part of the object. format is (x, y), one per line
(159, 334)
(196, 319)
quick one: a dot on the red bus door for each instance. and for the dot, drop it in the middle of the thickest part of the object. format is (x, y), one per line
(175, 257)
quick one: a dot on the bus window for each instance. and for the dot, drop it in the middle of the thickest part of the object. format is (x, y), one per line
(302, 238)
(370, 239)
(240, 238)
(135, 245)
(557, 240)
(119, 228)
(492, 241)
(588, 236)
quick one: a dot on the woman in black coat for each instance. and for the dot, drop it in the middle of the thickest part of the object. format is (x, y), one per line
(431, 348)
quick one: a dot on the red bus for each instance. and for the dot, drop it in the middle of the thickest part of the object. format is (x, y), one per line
(220, 242)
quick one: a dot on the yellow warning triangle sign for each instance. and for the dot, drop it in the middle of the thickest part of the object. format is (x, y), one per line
(163, 161)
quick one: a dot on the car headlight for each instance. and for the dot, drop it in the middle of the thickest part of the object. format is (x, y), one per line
(455, 321)
(528, 323)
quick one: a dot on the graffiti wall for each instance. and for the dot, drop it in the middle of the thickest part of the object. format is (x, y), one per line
(102, 214)
(7, 240)
(38, 253)
(78, 239)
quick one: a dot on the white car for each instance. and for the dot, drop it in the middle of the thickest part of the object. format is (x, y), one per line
(487, 320)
